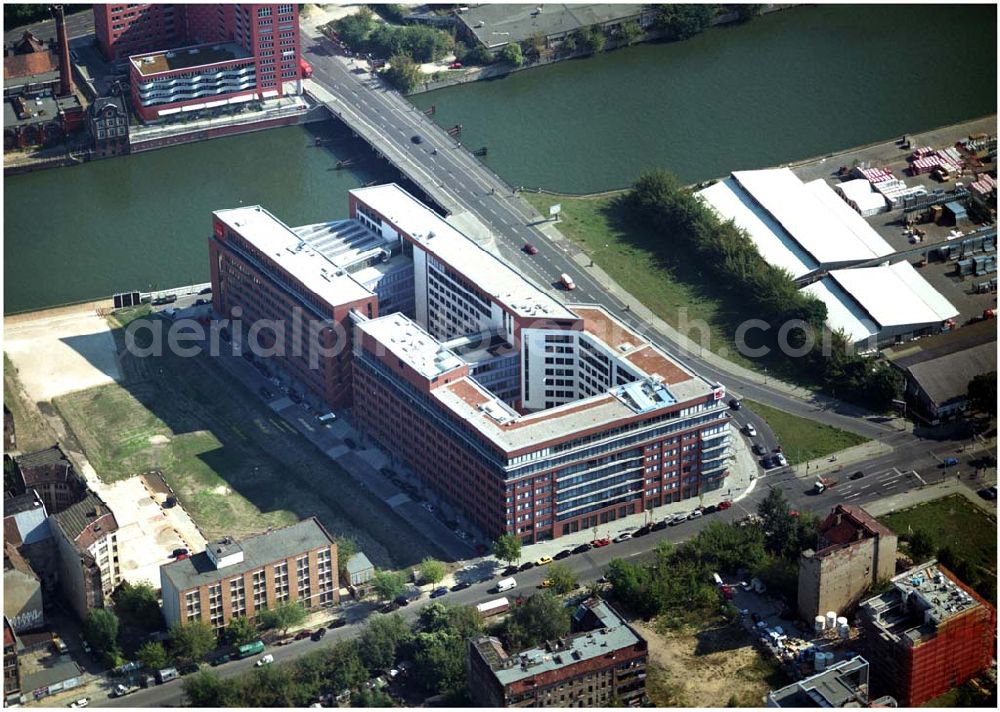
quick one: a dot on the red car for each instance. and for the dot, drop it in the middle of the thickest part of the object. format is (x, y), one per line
(303, 634)
(530, 249)
(725, 504)
(455, 65)
(598, 543)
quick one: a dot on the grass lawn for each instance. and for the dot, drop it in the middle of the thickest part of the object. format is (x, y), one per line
(956, 523)
(236, 466)
(804, 439)
(632, 257)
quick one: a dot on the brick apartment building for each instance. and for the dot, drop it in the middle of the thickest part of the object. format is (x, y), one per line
(562, 419)
(185, 58)
(51, 475)
(854, 552)
(926, 635)
(233, 579)
(86, 541)
(602, 662)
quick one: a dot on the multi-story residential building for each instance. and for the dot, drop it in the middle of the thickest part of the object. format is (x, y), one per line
(602, 662)
(927, 634)
(201, 58)
(52, 477)
(556, 419)
(853, 554)
(87, 544)
(108, 121)
(233, 579)
(11, 673)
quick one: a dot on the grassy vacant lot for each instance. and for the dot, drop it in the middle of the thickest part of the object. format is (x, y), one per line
(236, 466)
(632, 256)
(804, 439)
(956, 523)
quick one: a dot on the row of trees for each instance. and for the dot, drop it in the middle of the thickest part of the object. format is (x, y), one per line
(362, 33)
(728, 257)
(679, 582)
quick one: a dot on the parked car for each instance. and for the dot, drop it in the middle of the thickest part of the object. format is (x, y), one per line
(582, 548)
(178, 552)
(337, 623)
(759, 449)
(780, 459)
(402, 600)
(735, 404)
(598, 543)
(206, 290)
(949, 461)
(565, 553)
(678, 518)
(461, 586)
(857, 475)
(221, 660)
(188, 668)
(768, 463)
(509, 571)
(695, 514)
(439, 591)
(624, 536)
(530, 249)
(303, 634)
(643, 530)
(543, 561)
(265, 660)
(725, 504)
(455, 65)
(750, 430)
(988, 492)
(662, 524)
(318, 634)
(710, 509)
(527, 565)
(82, 702)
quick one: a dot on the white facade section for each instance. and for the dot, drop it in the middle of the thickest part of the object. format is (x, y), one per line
(860, 195)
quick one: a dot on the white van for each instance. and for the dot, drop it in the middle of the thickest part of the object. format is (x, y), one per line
(327, 417)
(506, 584)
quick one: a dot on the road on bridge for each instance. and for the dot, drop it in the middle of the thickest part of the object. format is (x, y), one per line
(446, 168)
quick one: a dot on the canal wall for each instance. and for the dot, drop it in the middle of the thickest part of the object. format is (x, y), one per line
(499, 69)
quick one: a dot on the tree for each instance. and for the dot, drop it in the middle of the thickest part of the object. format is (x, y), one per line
(138, 605)
(542, 617)
(507, 548)
(101, 629)
(347, 547)
(153, 655)
(921, 546)
(205, 689)
(284, 615)
(372, 698)
(343, 666)
(630, 32)
(192, 641)
(403, 73)
(534, 46)
(479, 55)
(380, 640)
(563, 578)
(679, 22)
(431, 570)
(631, 583)
(240, 631)
(512, 54)
(273, 686)
(780, 527)
(388, 584)
(439, 661)
(982, 393)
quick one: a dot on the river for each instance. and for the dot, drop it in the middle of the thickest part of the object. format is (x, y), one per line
(789, 85)
(785, 86)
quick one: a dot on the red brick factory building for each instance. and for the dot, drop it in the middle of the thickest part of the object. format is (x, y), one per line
(534, 417)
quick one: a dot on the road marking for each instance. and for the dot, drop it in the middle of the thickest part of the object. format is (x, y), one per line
(852, 496)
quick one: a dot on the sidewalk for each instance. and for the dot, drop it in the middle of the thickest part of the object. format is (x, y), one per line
(929, 493)
(842, 460)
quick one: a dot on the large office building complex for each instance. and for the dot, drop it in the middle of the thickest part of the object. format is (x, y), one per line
(186, 58)
(535, 418)
(232, 579)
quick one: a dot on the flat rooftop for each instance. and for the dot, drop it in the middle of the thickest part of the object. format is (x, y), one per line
(346, 243)
(436, 236)
(258, 551)
(933, 596)
(407, 341)
(864, 300)
(187, 58)
(293, 254)
(843, 683)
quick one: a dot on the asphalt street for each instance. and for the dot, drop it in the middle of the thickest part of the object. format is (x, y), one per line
(77, 25)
